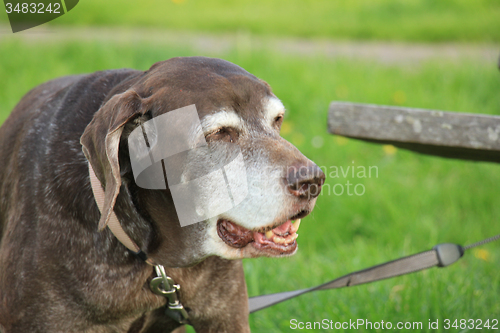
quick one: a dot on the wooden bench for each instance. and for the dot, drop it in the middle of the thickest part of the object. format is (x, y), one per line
(446, 134)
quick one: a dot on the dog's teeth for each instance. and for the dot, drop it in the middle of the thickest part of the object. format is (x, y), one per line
(279, 240)
(290, 239)
(296, 225)
(269, 234)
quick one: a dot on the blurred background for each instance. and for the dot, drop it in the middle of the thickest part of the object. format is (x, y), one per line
(418, 53)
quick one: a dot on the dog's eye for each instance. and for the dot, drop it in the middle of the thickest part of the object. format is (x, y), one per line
(225, 134)
(277, 121)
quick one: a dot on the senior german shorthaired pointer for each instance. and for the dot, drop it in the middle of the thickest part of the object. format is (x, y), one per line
(63, 270)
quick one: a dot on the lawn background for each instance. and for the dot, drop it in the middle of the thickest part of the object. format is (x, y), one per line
(415, 202)
(404, 20)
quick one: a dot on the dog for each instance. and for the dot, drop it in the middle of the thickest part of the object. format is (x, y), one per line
(62, 270)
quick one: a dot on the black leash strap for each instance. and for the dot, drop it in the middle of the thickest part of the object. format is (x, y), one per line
(441, 255)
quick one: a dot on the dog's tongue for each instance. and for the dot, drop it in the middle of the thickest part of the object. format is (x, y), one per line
(283, 229)
(281, 238)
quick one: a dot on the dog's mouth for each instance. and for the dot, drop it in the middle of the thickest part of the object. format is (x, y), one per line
(279, 240)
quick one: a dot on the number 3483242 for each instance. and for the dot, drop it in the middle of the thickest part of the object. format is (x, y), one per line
(33, 8)
(477, 324)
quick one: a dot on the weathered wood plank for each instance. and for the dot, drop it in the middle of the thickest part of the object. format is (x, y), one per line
(446, 134)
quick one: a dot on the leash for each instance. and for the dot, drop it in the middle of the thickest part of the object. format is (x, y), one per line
(441, 255)
(162, 285)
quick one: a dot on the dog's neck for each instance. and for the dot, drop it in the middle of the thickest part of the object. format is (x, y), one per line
(114, 224)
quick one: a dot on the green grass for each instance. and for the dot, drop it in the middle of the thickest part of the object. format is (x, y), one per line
(407, 20)
(413, 204)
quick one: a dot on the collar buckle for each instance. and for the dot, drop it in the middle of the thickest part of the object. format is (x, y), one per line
(165, 286)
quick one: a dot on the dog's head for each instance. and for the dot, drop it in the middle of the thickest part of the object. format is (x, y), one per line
(238, 116)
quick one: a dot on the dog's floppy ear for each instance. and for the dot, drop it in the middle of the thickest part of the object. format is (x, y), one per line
(100, 142)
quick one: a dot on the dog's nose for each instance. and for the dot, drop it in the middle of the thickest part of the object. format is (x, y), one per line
(305, 181)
